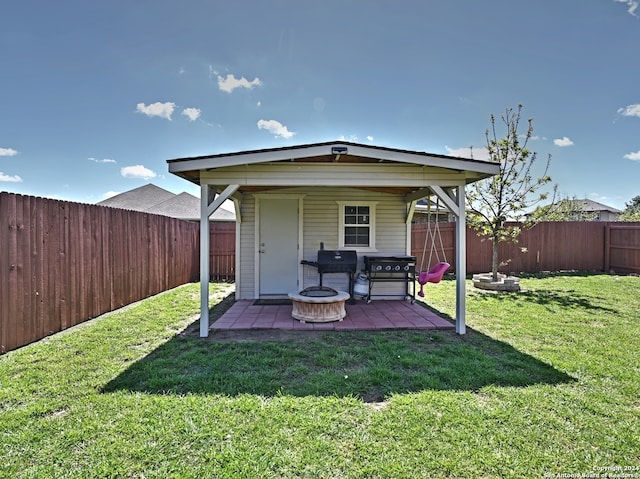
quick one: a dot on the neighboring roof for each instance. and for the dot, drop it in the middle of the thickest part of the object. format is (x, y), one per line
(330, 152)
(187, 207)
(138, 199)
(587, 206)
(155, 200)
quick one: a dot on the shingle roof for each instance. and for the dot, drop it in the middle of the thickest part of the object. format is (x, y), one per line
(155, 200)
(138, 199)
(187, 207)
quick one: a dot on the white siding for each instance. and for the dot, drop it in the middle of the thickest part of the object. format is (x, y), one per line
(320, 224)
(247, 249)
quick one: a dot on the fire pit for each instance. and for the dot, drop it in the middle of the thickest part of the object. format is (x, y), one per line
(318, 304)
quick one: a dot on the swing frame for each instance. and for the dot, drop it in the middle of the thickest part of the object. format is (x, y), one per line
(434, 273)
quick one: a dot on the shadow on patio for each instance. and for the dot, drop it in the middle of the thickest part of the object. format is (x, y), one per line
(371, 365)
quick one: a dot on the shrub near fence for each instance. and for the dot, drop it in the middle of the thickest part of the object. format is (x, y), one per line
(62, 263)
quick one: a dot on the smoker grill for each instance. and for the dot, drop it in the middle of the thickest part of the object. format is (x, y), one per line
(336, 261)
(391, 269)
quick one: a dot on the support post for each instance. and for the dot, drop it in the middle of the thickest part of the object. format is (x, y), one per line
(461, 263)
(607, 247)
(411, 208)
(204, 260)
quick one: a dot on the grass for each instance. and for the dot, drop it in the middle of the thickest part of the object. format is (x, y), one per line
(546, 382)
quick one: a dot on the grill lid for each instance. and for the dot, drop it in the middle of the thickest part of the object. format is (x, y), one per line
(337, 261)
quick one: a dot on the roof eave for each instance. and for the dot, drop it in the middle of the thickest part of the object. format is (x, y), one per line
(184, 165)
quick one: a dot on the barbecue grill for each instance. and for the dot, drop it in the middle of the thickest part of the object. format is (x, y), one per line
(336, 261)
(391, 269)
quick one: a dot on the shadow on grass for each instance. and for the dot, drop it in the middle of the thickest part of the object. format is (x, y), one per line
(369, 365)
(548, 298)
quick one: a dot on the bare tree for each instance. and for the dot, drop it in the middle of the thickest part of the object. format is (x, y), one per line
(507, 196)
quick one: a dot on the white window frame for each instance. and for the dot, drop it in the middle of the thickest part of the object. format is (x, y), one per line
(372, 225)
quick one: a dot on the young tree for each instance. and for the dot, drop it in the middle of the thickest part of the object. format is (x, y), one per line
(507, 196)
(632, 210)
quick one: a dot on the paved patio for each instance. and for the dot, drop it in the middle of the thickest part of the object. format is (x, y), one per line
(381, 314)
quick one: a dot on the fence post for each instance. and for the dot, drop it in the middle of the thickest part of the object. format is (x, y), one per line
(607, 247)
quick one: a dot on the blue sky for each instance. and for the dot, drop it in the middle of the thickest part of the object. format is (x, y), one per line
(96, 96)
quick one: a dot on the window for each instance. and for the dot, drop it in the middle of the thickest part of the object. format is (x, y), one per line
(357, 225)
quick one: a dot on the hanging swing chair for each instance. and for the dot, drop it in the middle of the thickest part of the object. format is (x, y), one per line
(434, 273)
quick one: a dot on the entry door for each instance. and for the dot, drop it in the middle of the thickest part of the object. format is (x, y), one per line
(278, 246)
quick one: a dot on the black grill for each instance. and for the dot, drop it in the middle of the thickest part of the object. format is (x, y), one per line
(390, 264)
(391, 269)
(336, 261)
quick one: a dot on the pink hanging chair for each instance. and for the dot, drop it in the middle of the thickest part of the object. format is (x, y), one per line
(434, 275)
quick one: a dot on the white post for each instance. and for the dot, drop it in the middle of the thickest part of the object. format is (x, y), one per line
(461, 263)
(204, 261)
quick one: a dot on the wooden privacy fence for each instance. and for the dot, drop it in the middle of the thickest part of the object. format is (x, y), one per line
(222, 251)
(622, 247)
(62, 263)
(549, 246)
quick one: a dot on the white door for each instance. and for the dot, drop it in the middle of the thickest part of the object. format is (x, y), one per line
(278, 246)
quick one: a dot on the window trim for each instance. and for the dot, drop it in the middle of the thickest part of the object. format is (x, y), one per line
(372, 225)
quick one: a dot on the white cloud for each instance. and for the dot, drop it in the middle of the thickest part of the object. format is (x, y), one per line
(275, 127)
(632, 4)
(8, 152)
(351, 138)
(137, 171)
(564, 141)
(192, 113)
(110, 194)
(10, 179)
(369, 137)
(475, 153)
(104, 160)
(163, 110)
(633, 156)
(231, 83)
(631, 110)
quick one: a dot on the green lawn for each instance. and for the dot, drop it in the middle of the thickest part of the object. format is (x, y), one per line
(546, 382)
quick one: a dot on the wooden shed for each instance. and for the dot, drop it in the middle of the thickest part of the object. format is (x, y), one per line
(342, 195)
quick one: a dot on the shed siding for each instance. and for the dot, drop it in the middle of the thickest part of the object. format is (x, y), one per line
(320, 225)
(247, 271)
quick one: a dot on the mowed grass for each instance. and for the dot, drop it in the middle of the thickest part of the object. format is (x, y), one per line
(546, 382)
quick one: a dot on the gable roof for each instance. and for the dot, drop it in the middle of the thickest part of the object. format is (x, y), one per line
(334, 152)
(187, 207)
(138, 199)
(158, 201)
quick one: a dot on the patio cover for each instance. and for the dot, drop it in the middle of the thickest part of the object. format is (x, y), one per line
(325, 164)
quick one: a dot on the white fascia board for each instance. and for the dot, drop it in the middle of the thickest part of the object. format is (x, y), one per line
(426, 159)
(381, 154)
(267, 156)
